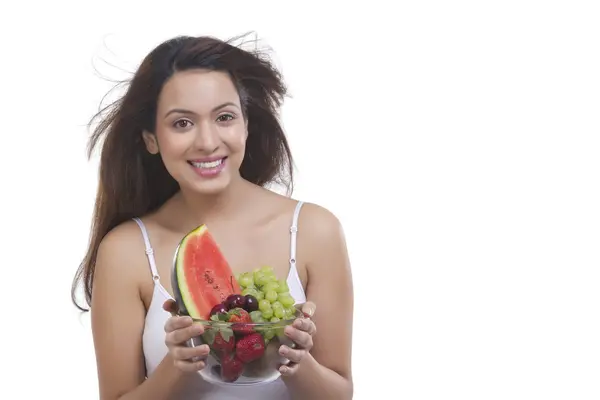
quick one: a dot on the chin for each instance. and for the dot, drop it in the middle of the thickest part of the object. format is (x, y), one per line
(209, 188)
(203, 186)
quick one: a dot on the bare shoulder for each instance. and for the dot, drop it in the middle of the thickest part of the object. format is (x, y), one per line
(321, 228)
(121, 264)
(320, 218)
(122, 252)
(322, 243)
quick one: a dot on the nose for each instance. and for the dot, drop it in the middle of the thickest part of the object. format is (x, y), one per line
(207, 138)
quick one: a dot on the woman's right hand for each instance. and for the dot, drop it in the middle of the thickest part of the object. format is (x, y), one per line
(179, 329)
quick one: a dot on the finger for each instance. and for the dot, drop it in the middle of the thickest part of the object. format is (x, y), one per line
(295, 356)
(184, 353)
(176, 337)
(288, 370)
(306, 325)
(175, 323)
(301, 338)
(190, 366)
(170, 306)
(309, 308)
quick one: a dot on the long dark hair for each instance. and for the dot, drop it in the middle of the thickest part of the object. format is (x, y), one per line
(132, 182)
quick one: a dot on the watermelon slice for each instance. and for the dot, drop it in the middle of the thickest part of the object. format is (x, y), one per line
(201, 276)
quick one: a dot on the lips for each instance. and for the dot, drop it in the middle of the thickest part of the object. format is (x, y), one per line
(208, 168)
(207, 162)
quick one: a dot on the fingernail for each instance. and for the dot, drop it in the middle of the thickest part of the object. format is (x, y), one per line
(284, 370)
(283, 351)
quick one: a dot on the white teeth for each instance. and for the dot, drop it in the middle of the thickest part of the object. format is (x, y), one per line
(211, 164)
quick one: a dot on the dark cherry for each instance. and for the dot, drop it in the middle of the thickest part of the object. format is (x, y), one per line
(234, 301)
(219, 308)
(251, 303)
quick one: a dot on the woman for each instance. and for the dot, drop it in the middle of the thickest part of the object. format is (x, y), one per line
(196, 139)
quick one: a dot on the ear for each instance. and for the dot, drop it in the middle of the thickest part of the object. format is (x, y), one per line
(151, 142)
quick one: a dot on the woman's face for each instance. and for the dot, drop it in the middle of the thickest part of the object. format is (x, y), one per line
(200, 130)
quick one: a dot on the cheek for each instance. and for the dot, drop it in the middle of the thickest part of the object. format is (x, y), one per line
(172, 145)
(236, 140)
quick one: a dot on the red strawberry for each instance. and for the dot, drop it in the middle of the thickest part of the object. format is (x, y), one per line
(224, 341)
(239, 318)
(231, 368)
(239, 315)
(242, 329)
(250, 348)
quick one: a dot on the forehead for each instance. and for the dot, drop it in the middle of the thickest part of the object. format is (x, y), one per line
(197, 90)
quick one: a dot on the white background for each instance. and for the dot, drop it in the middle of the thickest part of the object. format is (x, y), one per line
(457, 142)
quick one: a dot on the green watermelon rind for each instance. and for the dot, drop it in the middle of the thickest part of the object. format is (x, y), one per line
(180, 288)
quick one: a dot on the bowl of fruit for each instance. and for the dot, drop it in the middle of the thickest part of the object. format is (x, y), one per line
(243, 316)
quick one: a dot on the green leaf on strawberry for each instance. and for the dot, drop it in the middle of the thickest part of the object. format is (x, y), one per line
(220, 317)
(226, 334)
(208, 336)
(220, 340)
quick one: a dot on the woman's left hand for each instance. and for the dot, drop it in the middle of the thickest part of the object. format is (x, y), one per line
(301, 333)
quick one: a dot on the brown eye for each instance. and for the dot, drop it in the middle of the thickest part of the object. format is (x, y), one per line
(225, 118)
(182, 123)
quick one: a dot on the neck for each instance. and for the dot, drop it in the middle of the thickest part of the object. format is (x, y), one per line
(203, 207)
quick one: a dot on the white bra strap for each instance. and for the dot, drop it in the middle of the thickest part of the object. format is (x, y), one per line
(294, 234)
(149, 250)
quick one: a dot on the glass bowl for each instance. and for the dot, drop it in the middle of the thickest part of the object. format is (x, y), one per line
(243, 353)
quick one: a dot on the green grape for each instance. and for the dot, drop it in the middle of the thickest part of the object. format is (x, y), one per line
(266, 269)
(271, 295)
(256, 274)
(279, 312)
(246, 280)
(261, 279)
(269, 334)
(267, 314)
(259, 295)
(286, 300)
(289, 312)
(271, 286)
(264, 304)
(271, 278)
(276, 304)
(283, 286)
(256, 316)
(275, 319)
(250, 290)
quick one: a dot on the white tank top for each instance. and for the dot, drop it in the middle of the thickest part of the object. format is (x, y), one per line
(153, 339)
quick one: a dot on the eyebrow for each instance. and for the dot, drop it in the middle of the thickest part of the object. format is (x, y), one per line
(184, 111)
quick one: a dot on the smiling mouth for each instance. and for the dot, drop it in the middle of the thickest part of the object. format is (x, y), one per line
(207, 164)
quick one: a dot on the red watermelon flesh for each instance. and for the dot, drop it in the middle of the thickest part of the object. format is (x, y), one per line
(202, 278)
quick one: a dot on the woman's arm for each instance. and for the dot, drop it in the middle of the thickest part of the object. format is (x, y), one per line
(118, 313)
(325, 373)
